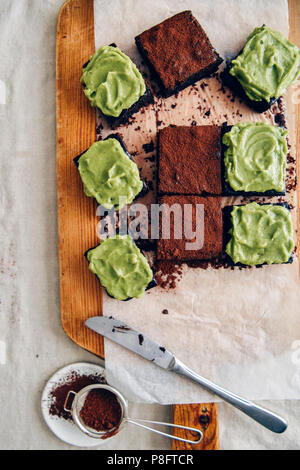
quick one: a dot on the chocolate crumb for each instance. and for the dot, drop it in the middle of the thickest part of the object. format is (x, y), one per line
(141, 339)
(280, 119)
(149, 147)
(99, 129)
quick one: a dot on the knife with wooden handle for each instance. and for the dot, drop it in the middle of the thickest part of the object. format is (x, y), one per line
(138, 343)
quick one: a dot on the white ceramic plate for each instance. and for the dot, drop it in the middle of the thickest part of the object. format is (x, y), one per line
(65, 430)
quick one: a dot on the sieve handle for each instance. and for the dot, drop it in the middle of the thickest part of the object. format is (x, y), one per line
(137, 422)
(67, 400)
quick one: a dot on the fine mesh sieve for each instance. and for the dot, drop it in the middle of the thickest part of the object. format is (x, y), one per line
(75, 401)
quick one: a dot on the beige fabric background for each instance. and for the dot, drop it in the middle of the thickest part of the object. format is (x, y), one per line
(32, 342)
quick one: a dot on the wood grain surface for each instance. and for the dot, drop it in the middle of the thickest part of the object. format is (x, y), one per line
(294, 12)
(80, 295)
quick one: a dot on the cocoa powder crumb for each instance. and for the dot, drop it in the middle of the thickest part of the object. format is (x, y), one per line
(149, 147)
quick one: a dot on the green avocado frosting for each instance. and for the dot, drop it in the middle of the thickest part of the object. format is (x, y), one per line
(112, 81)
(109, 175)
(255, 157)
(121, 267)
(268, 64)
(260, 234)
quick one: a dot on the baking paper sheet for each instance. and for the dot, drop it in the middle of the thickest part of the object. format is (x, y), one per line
(239, 328)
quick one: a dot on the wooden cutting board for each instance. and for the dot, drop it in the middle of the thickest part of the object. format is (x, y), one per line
(80, 295)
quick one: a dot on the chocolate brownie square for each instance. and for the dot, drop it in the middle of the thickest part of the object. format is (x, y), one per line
(178, 52)
(196, 228)
(190, 160)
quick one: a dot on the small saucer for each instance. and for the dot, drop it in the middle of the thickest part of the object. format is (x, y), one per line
(65, 430)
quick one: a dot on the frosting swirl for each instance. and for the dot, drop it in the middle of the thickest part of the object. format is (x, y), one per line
(112, 81)
(109, 175)
(260, 234)
(255, 158)
(121, 267)
(268, 64)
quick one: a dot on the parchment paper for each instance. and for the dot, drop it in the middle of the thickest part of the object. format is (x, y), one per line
(239, 328)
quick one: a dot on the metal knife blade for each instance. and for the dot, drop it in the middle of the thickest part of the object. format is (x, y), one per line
(140, 344)
(133, 340)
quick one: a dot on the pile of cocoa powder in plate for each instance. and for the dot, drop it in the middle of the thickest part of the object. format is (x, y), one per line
(75, 382)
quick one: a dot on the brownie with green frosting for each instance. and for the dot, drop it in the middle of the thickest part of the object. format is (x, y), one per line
(113, 84)
(264, 69)
(121, 267)
(254, 159)
(256, 234)
(109, 174)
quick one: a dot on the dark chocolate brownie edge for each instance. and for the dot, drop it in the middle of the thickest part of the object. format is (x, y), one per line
(165, 92)
(157, 164)
(234, 85)
(152, 70)
(226, 214)
(226, 188)
(151, 284)
(211, 259)
(76, 159)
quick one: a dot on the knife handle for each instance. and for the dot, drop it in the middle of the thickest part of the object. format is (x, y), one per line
(264, 417)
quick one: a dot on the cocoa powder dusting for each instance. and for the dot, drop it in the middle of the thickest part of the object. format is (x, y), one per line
(75, 382)
(101, 410)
